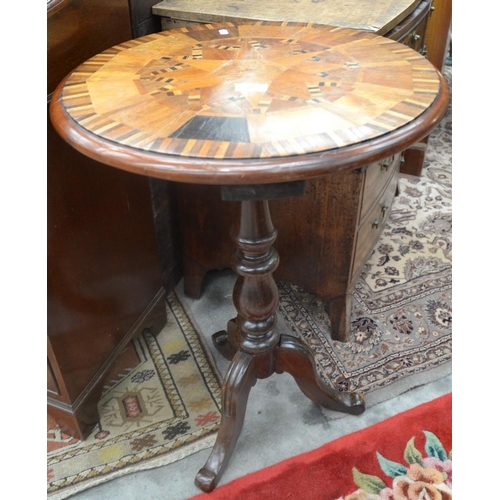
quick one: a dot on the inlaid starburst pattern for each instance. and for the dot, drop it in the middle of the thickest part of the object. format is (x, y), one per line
(254, 90)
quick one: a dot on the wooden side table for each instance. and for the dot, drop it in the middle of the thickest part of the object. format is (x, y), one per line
(255, 108)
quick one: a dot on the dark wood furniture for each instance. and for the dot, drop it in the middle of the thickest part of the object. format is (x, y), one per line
(438, 34)
(376, 17)
(256, 108)
(104, 281)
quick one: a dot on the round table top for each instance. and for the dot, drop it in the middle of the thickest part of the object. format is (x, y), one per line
(246, 103)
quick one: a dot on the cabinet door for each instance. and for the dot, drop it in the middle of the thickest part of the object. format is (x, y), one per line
(103, 267)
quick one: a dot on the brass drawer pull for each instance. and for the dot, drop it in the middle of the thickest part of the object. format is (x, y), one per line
(385, 164)
(415, 37)
(377, 221)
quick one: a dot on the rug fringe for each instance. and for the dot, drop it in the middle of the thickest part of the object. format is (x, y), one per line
(154, 463)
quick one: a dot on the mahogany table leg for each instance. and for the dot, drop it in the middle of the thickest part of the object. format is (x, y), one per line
(240, 378)
(295, 358)
(253, 332)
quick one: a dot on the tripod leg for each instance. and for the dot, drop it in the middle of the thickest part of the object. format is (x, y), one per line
(295, 358)
(240, 378)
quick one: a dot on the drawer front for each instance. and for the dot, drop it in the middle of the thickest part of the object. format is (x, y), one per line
(411, 31)
(377, 176)
(370, 229)
(416, 39)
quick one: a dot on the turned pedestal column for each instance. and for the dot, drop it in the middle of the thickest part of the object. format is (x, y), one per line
(253, 343)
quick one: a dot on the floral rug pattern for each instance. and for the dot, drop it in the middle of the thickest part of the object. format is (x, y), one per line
(401, 315)
(424, 478)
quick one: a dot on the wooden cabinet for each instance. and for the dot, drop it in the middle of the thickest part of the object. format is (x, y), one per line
(104, 280)
(322, 250)
(412, 32)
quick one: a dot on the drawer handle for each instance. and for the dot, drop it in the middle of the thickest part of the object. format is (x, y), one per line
(414, 39)
(376, 222)
(386, 163)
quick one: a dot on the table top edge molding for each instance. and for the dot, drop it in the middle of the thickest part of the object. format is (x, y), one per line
(237, 171)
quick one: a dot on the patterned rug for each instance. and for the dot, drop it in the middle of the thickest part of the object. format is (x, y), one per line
(163, 405)
(163, 401)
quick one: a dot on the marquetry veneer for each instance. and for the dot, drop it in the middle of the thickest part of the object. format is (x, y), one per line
(402, 20)
(178, 103)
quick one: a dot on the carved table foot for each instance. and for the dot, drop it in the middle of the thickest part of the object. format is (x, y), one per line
(241, 376)
(294, 357)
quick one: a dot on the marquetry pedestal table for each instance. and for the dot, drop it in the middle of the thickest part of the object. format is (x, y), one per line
(257, 108)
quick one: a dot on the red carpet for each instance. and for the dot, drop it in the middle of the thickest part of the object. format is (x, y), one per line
(405, 457)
